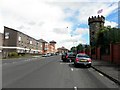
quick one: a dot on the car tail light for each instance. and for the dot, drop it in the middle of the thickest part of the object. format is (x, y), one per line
(89, 60)
(67, 56)
(77, 59)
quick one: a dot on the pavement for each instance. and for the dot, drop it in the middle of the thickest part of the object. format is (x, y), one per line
(108, 69)
(20, 59)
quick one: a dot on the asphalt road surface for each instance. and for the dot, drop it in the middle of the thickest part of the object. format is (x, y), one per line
(51, 72)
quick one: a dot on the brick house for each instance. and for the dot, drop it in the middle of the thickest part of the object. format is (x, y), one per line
(16, 41)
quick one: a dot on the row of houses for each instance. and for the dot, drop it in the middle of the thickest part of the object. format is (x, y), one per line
(15, 41)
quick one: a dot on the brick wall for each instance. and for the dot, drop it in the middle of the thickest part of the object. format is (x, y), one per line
(94, 56)
(116, 53)
(98, 53)
(105, 57)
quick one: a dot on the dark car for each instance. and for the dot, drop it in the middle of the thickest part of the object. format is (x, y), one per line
(82, 59)
(70, 56)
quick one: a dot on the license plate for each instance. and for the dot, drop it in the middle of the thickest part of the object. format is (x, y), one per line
(83, 60)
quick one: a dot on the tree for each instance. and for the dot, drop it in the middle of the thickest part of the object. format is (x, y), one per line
(105, 36)
(80, 48)
(73, 49)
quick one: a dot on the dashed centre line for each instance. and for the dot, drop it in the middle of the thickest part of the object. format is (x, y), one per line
(72, 69)
(75, 88)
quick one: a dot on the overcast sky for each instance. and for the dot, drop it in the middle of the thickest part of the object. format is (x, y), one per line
(65, 21)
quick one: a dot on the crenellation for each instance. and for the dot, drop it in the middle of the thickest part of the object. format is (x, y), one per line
(96, 19)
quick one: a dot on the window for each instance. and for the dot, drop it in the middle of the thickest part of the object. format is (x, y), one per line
(19, 38)
(37, 43)
(30, 42)
(41, 45)
(7, 35)
(80, 55)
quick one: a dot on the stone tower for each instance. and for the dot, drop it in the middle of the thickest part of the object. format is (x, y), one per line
(95, 24)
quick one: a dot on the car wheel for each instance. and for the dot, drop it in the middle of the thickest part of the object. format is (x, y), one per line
(89, 65)
(75, 64)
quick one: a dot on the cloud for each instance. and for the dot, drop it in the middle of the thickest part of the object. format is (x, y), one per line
(40, 24)
(81, 31)
(31, 23)
(112, 24)
(21, 27)
(60, 31)
(47, 18)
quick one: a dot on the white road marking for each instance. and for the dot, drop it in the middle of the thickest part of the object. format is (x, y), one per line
(75, 88)
(100, 74)
(71, 69)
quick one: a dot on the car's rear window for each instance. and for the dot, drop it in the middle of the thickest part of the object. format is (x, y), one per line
(83, 55)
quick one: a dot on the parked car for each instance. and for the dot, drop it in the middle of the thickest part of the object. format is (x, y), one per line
(70, 56)
(46, 55)
(82, 59)
(63, 57)
(49, 54)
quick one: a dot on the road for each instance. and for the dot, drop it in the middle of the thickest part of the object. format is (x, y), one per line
(51, 72)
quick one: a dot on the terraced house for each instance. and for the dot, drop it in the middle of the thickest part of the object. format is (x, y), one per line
(16, 41)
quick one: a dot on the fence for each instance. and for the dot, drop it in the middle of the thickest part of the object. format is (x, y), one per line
(113, 56)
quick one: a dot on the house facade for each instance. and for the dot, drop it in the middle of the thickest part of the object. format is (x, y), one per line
(1, 44)
(62, 50)
(15, 41)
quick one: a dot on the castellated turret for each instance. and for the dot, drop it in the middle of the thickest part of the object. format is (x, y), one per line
(95, 24)
(96, 19)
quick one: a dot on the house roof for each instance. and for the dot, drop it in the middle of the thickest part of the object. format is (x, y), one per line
(52, 41)
(42, 41)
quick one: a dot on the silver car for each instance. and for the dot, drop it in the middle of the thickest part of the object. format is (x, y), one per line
(82, 59)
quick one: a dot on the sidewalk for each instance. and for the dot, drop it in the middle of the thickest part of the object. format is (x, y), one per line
(112, 71)
(23, 57)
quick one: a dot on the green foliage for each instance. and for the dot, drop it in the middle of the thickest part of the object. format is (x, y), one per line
(73, 49)
(80, 47)
(13, 54)
(107, 35)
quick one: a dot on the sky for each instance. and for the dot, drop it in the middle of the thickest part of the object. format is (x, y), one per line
(64, 21)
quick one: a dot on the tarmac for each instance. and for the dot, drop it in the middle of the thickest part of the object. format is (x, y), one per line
(108, 69)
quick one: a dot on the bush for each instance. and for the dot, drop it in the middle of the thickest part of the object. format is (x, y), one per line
(12, 54)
